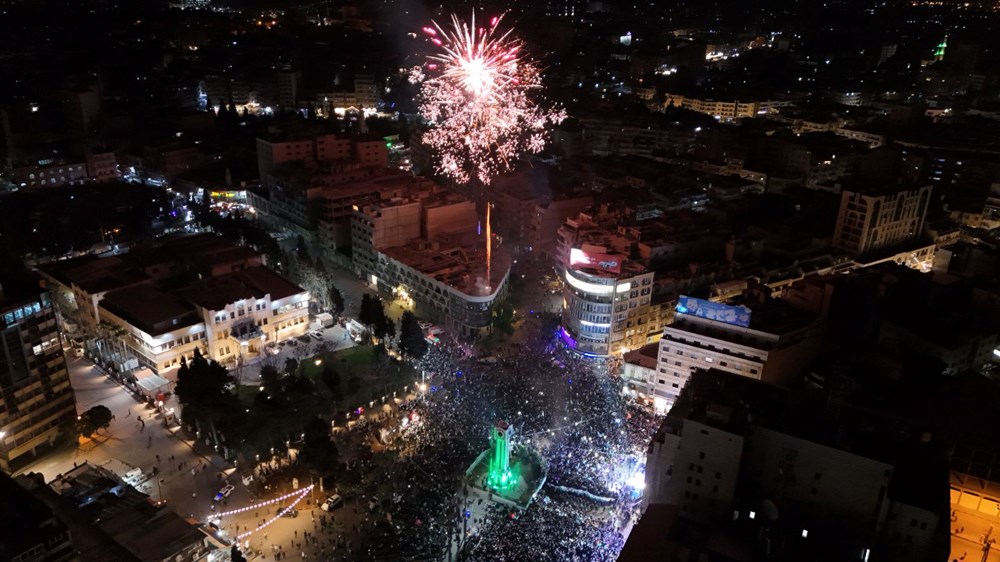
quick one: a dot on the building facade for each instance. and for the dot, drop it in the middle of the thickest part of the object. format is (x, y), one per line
(424, 248)
(869, 222)
(769, 351)
(36, 399)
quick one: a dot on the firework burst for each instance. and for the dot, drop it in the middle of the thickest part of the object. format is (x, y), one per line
(481, 96)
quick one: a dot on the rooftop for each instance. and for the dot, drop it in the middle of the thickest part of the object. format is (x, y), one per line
(17, 284)
(150, 309)
(215, 293)
(26, 521)
(456, 260)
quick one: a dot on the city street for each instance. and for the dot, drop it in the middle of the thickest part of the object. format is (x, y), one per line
(967, 545)
(186, 479)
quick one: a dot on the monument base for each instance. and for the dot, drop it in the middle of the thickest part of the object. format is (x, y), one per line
(524, 479)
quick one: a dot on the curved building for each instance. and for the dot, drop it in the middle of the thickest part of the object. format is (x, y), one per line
(606, 306)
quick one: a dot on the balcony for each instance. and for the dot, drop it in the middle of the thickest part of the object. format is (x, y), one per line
(246, 330)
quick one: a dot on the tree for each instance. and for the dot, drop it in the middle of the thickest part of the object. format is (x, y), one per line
(291, 366)
(202, 389)
(270, 379)
(368, 315)
(331, 379)
(336, 300)
(301, 251)
(385, 328)
(98, 417)
(318, 452)
(236, 555)
(411, 336)
(503, 319)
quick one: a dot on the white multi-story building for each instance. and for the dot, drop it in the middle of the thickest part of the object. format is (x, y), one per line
(772, 342)
(235, 308)
(229, 318)
(608, 306)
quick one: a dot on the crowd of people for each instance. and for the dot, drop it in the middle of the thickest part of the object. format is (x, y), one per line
(569, 409)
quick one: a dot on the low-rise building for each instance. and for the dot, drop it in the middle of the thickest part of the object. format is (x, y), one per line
(238, 307)
(31, 529)
(110, 520)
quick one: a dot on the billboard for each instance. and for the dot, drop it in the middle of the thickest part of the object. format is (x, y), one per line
(734, 315)
(605, 262)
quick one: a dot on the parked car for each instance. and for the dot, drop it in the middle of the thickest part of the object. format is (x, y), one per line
(291, 512)
(224, 492)
(332, 503)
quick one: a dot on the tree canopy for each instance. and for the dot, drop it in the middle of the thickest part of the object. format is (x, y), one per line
(98, 417)
(318, 452)
(336, 300)
(411, 336)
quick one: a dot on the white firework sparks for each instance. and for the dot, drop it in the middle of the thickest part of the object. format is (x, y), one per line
(479, 93)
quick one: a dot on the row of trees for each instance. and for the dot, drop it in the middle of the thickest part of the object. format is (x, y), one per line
(374, 318)
(287, 409)
(412, 342)
(313, 276)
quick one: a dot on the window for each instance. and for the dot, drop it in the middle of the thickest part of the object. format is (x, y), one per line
(701, 455)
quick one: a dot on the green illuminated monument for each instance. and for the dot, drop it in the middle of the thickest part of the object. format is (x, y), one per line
(506, 474)
(939, 50)
(499, 476)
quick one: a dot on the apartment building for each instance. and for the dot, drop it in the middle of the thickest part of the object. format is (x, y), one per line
(36, 399)
(771, 342)
(872, 220)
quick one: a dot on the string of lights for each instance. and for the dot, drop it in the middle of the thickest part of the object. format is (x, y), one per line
(262, 526)
(261, 504)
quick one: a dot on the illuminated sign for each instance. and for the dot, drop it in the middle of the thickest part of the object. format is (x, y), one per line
(734, 315)
(604, 262)
(586, 287)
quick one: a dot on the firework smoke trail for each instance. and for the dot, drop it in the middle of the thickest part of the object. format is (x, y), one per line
(478, 92)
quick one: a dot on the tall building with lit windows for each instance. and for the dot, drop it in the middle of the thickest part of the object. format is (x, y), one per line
(36, 399)
(606, 294)
(771, 342)
(871, 220)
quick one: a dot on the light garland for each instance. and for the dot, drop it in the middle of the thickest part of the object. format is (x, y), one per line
(261, 504)
(303, 494)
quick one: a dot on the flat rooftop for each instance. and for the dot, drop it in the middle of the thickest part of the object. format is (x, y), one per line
(150, 309)
(216, 292)
(457, 260)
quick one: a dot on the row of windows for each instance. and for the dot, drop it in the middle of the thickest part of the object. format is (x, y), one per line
(174, 343)
(22, 312)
